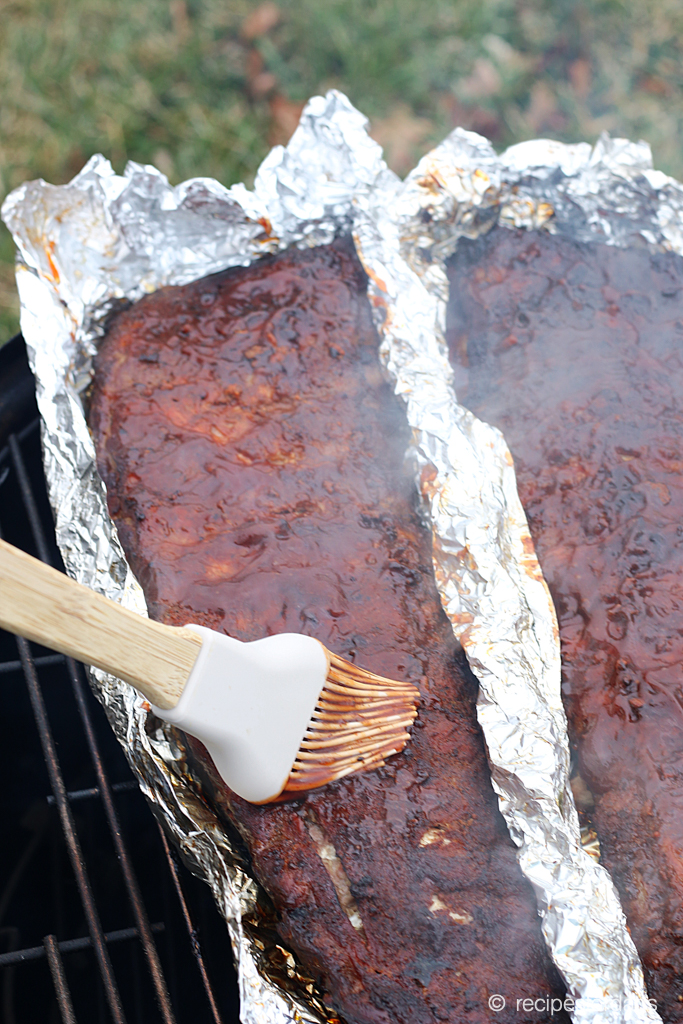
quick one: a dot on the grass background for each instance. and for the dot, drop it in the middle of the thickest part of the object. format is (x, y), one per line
(205, 87)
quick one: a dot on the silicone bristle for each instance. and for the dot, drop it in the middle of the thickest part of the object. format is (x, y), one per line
(360, 719)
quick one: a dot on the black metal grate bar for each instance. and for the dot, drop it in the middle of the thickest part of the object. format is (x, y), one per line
(54, 960)
(28, 499)
(134, 895)
(94, 983)
(69, 829)
(21, 435)
(20, 956)
(192, 931)
(86, 794)
(47, 659)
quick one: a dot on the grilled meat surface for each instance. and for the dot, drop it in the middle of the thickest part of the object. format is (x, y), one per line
(576, 353)
(254, 462)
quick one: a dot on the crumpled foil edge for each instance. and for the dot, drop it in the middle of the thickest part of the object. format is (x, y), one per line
(487, 573)
(102, 238)
(83, 248)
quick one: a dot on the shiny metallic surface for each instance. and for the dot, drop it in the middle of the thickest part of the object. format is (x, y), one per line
(489, 579)
(102, 239)
(83, 248)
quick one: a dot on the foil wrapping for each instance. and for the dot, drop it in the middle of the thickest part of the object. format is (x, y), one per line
(83, 248)
(487, 573)
(104, 238)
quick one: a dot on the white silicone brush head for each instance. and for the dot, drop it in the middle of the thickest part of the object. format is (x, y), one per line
(250, 704)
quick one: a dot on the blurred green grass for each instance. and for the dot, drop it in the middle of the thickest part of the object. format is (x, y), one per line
(207, 86)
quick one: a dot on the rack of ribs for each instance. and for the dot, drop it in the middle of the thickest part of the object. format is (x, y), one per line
(576, 353)
(254, 461)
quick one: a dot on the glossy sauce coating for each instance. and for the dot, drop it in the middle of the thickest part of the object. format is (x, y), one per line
(254, 460)
(576, 353)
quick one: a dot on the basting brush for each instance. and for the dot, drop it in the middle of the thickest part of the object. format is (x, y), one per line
(279, 716)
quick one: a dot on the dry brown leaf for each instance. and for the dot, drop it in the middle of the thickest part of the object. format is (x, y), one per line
(400, 134)
(180, 19)
(254, 64)
(259, 81)
(261, 20)
(262, 84)
(580, 75)
(284, 118)
(655, 85)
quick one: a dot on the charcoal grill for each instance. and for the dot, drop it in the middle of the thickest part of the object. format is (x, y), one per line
(99, 922)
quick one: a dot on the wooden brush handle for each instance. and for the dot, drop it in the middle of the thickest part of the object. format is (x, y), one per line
(44, 605)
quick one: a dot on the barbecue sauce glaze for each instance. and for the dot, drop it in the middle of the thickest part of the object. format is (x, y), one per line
(576, 353)
(254, 462)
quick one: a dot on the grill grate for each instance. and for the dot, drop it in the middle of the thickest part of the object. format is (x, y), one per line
(94, 848)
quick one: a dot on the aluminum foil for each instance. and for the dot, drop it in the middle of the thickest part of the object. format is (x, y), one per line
(487, 573)
(84, 247)
(102, 238)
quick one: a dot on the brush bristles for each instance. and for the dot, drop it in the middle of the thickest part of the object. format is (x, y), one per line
(360, 719)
